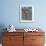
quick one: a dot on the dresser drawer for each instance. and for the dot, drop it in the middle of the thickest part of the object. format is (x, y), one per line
(13, 44)
(13, 33)
(12, 39)
(34, 33)
(37, 44)
(37, 39)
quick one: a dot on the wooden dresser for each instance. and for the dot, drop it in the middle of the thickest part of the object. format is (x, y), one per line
(23, 38)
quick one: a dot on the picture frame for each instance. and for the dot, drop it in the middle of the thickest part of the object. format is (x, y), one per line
(26, 13)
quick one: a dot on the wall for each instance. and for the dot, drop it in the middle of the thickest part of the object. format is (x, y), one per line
(10, 13)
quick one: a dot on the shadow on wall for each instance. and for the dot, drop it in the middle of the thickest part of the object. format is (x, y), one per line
(2, 26)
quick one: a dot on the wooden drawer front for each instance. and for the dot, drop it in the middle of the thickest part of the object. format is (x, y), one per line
(37, 45)
(8, 45)
(13, 33)
(37, 39)
(33, 40)
(33, 33)
(12, 39)
(20, 44)
(5, 40)
(27, 41)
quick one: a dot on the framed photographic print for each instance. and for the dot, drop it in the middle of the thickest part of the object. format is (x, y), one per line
(26, 13)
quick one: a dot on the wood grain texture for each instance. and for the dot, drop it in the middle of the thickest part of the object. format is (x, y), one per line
(23, 38)
(34, 39)
(13, 39)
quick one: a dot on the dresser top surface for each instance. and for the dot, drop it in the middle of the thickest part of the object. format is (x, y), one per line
(22, 30)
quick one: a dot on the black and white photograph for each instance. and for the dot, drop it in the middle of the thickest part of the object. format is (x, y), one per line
(26, 13)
